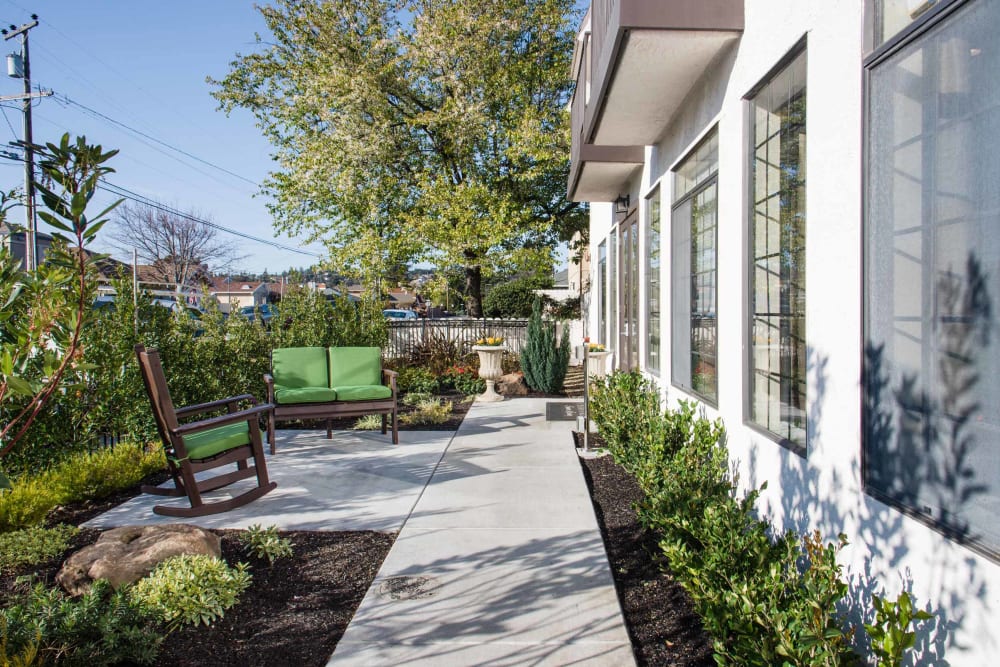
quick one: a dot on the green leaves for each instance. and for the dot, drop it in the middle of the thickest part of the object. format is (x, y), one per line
(890, 634)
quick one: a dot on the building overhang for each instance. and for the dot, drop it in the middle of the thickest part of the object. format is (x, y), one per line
(602, 173)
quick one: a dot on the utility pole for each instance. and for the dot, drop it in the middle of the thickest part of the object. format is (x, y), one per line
(31, 238)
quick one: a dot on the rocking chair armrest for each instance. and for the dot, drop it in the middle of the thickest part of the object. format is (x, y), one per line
(222, 420)
(214, 405)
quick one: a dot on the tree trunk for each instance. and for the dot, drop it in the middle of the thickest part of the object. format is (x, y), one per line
(474, 290)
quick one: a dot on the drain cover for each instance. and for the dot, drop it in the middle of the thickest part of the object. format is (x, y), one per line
(407, 588)
(563, 412)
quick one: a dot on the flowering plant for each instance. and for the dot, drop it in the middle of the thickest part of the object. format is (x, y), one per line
(492, 341)
(465, 379)
(595, 347)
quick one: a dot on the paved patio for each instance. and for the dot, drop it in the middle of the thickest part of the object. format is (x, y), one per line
(499, 559)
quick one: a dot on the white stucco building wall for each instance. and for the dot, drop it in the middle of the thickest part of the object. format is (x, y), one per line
(888, 550)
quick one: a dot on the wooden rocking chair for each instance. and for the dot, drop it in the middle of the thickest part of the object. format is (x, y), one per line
(201, 445)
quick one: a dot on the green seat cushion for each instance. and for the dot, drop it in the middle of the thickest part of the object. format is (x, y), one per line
(355, 366)
(291, 395)
(296, 367)
(216, 440)
(363, 392)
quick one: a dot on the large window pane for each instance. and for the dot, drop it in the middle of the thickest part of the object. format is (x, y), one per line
(694, 257)
(653, 284)
(602, 285)
(932, 377)
(777, 263)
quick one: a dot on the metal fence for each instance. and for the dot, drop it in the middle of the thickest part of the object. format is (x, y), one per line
(406, 335)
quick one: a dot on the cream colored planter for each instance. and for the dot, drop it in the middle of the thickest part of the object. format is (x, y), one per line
(597, 364)
(490, 369)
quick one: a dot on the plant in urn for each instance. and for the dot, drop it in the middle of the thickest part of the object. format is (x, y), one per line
(490, 350)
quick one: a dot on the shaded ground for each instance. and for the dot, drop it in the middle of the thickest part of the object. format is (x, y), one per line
(663, 626)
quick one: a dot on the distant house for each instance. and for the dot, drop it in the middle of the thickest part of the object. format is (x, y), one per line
(15, 241)
(235, 294)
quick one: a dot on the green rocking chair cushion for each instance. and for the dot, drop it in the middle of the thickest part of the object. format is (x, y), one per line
(216, 440)
(297, 367)
(355, 366)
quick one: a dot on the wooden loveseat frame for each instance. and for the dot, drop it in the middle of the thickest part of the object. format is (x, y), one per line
(326, 383)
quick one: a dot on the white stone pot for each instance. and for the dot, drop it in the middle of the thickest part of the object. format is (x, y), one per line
(490, 369)
(597, 364)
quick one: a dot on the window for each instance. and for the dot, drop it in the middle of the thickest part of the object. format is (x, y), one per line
(892, 16)
(612, 289)
(932, 263)
(602, 285)
(653, 284)
(694, 258)
(777, 344)
(628, 347)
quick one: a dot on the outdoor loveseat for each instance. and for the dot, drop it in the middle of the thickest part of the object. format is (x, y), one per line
(325, 383)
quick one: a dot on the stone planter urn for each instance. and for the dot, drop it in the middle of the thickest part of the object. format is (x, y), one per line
(490, 369)
(597, 364)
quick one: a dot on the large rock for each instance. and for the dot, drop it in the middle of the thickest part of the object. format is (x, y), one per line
(512, 384)
(125, 555)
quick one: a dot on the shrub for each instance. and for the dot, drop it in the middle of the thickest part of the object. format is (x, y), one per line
(414, 398)
(369, 423)
(191, 589)
(544, 364)
(266, 543)
(514, 298)
(34, 545)
(101, 627)
(86, 476)
(465, 380)
(436, 353)
(890, 633)
(429, 413)
(417, 380)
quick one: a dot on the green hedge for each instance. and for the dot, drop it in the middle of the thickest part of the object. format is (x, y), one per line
(765, 601)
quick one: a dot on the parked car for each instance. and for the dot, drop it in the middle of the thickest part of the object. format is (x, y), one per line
(250, 312)
(399, 314)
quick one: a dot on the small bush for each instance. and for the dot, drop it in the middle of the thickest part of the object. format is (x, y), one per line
(429, 413)
(544, 363)
(417, 379)
(84, 476)
(266, 543)
(514, 298)
(191, 589)
(369, 423)
(465, 380)
(34, 545)
(101, 627)
(436, 353)
(416, 398)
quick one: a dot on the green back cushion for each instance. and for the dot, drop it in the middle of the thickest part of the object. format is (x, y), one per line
(297, 367)
(354, 366)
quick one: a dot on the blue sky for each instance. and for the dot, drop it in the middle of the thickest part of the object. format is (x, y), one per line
(143, 64)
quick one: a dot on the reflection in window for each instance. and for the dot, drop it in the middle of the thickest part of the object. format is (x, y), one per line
(932, 376)
(653, 284)
(694, 256)
(602, 285)
(777, 247)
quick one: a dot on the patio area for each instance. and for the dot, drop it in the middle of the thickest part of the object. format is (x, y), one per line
(499, 559)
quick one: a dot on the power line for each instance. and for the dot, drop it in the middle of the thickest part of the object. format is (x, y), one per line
(136, 197)
(154, 139)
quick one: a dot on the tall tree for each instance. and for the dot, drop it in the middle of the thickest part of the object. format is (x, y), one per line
(416, 129)
(177, 248)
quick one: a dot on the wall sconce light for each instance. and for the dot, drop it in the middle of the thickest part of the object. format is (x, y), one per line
(621, 204)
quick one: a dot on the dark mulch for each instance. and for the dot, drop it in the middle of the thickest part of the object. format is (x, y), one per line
(662, 624)
(459, 407)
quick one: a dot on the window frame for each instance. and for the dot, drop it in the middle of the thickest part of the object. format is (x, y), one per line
(798, 49)
(712, 178)
(876, 56)
(654, 198)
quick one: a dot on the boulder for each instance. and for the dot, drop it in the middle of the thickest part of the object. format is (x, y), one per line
(125, 555)
(512, 384)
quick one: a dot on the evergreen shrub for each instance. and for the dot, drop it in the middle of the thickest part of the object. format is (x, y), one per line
(543, 362)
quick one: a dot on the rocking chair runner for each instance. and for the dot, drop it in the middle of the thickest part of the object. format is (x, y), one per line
(201, 445)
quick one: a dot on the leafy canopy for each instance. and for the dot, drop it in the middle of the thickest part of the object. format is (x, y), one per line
(416, 129)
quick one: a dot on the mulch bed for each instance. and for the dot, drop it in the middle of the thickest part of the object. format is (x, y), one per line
(662, 624)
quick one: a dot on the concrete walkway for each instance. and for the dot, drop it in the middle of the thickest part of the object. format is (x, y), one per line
(501, 561)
